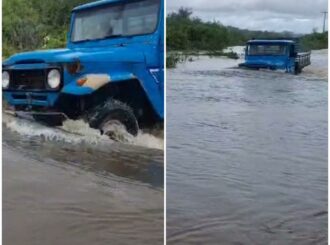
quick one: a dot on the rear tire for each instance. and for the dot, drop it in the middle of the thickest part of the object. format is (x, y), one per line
(113, 111)
(297, 69)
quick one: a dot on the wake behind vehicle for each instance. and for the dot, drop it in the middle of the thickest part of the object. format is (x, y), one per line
(274, 55)
(110, 72)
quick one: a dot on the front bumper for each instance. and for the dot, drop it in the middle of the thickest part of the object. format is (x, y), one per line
(49, 118)
(31, 98)
(259, 66)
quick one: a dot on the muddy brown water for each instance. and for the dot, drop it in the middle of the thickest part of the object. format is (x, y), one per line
(247, 154)
(71, 186)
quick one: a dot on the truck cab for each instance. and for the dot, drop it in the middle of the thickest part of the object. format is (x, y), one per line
(111, 70)
(274, 55)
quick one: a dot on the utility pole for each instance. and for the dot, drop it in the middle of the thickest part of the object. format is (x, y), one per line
(324, 18)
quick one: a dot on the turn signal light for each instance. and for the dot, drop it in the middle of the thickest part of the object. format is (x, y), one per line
(81, 81)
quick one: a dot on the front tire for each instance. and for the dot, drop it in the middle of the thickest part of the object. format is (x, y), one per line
(113, 111)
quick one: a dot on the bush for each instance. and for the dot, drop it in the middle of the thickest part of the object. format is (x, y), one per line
(35, 24)
(315, 41)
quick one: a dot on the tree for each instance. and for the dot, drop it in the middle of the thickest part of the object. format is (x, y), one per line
(35, 24)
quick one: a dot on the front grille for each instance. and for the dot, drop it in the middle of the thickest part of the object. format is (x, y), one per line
(28, 79)
(33, 97)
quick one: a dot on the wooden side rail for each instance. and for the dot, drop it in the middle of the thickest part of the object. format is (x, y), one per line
(303, 59)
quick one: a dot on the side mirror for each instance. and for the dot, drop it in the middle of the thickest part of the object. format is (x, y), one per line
(293, 54)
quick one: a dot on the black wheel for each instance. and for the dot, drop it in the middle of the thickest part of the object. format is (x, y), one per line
(297, 68)
(113, 112)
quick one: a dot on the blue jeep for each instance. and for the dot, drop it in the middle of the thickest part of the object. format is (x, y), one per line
(275, 54)
(111, 70)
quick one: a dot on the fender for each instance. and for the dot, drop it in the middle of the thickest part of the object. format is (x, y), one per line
(92, 82)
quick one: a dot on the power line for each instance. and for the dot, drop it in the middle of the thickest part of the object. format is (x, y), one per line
(324, 18)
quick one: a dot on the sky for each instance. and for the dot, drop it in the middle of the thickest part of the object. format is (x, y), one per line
(298, 16)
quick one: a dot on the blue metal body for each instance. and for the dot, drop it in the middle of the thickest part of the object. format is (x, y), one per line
(139, 57)
(285, 61)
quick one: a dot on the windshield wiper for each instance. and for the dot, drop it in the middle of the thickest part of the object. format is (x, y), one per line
(83, 40)
(105, 37)
(112, 36)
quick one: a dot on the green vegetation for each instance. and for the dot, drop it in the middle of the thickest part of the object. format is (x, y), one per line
(35, 24)
(185, 32)
(40, 24)
(190, 35)
(315, 41)
(172, 59)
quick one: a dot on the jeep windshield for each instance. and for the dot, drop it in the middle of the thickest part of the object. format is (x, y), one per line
(116, 20)
(266, 49)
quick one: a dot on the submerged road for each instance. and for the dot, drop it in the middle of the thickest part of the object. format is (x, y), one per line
(60, 187)
(247, 154)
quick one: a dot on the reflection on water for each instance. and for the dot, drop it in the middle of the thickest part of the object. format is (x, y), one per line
(71, 186)
(246, 154)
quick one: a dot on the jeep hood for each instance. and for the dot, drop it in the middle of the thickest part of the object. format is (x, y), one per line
(118, 54)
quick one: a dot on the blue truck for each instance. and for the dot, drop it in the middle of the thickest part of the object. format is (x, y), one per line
(112, 70)
(274, 55)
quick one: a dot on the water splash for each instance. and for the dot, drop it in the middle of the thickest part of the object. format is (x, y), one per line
(319, 67)
(78, 132)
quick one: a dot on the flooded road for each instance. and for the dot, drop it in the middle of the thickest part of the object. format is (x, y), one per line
(246, 154)
(72, 186)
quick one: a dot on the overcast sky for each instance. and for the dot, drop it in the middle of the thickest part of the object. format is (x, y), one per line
(299, 16)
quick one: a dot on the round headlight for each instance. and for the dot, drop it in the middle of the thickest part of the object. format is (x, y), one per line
(5, 79)
(54, 78)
